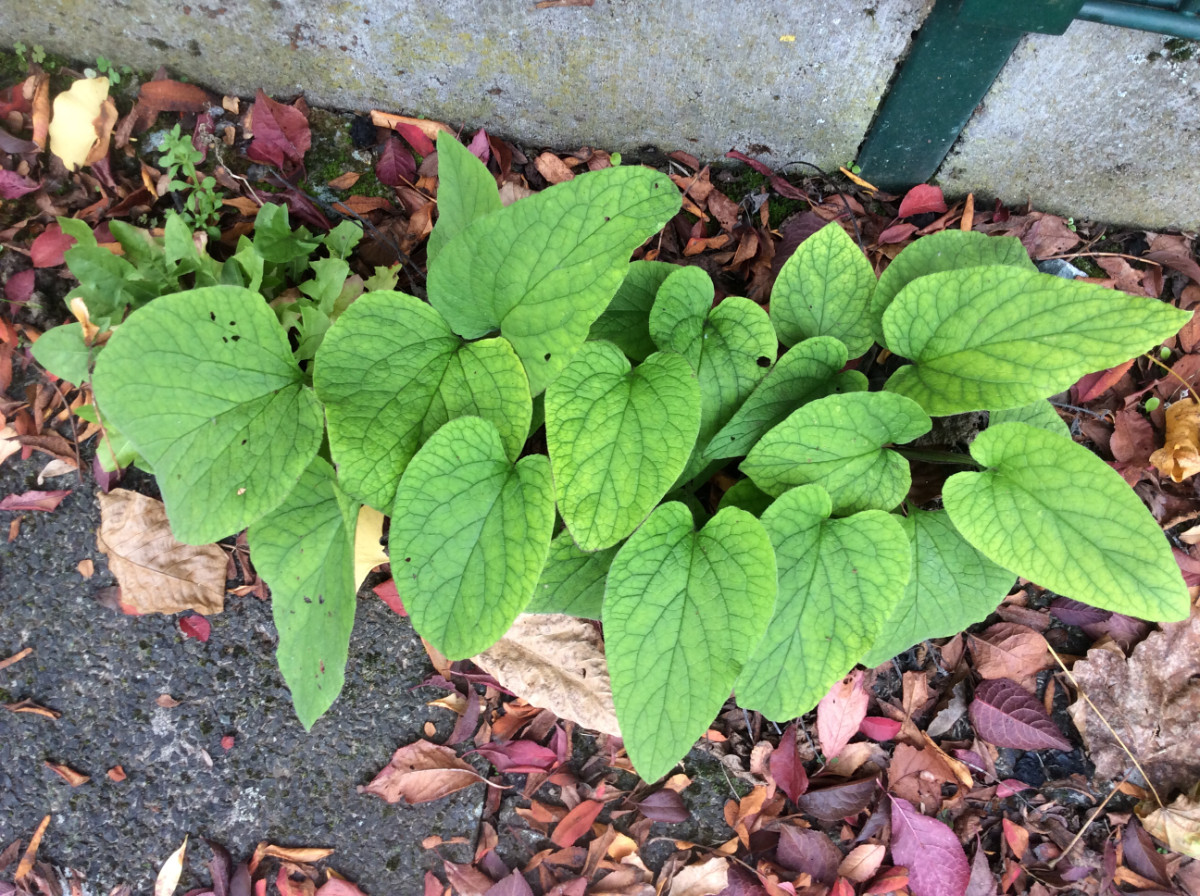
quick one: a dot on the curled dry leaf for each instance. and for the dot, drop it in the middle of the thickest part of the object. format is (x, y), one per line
(555, 662)
(68, 774)
(704, 879)
(840, 712)
(82, 124)
(1179, 457)
(157, 573)
(27, 860)
(1177, 824)
(421, 772)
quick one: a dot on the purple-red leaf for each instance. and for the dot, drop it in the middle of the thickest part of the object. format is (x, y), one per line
(921, 199)
(281, 134)
(839, 801)
(19, 287)
(810, 852)
(665, 805)
(195, 626)
(753, 163)
(479, 146)
(786, 766)
(936, 863)
(14, 186)
(46, 251)
(523, 756)
(879, 728)
(1007, 715)
(983, 881)
(386, 592)
(415, 138)
(840, 712)
(396, 165)
(513, 885)
(45, 501)
(1072, 612)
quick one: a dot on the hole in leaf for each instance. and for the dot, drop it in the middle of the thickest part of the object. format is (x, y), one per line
(763, 361)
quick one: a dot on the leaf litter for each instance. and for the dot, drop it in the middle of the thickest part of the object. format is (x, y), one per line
(1004, 774)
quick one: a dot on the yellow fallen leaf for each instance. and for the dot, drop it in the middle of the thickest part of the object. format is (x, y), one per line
(368, 552)
(1177, 825)
(170, 872)
(78, 121)
(1179, 457)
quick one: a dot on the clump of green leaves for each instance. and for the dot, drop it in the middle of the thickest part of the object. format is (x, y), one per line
(201, 204)
(812, 563)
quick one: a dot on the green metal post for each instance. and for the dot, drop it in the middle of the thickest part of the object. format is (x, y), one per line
(1143, 18)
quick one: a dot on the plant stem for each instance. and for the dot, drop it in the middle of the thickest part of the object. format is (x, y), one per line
(938, 457)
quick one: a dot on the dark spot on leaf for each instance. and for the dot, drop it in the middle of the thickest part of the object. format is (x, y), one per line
(244, 441)
(233, 323)
(308, 600)
(212, 315)
(547, 356)
(322, 667)
(223, 339)
(236, 338)
(408, 559)
(763, 360)
(607, 219)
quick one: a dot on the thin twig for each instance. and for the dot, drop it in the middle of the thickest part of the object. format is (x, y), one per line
(1090, 821)
(74, 431)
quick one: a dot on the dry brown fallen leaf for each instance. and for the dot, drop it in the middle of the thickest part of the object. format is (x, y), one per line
(1151, 701)
(1179, 457)
(555, 662)
(701, 880)
(157, 573)
(421, 772)
(1177, 824)
(27, 860)
(82, 122)
(68, 774)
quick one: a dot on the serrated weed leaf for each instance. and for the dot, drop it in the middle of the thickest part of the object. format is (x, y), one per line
(204, 385)
(806, 371)
(542, 270)
(1049, 510)
(572, 580)
(618, 438)
(469, 536)
(466, 192)
(838, 442)
(946, 250)
(304, 551)
(682, 610)
(626, 320)
(825, 289)
(838, 581)
(1003, 337)
(391, 372)
(952, 586)
(1007, 715)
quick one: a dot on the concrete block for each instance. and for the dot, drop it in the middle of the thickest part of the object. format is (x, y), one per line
(1101, 122)
(785, 79)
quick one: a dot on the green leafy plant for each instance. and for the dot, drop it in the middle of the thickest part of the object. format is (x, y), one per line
(201, 204)
(111, 71)
(811, 564)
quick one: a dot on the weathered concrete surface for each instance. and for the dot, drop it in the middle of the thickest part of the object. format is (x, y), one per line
(801, 77)
(1101, 122)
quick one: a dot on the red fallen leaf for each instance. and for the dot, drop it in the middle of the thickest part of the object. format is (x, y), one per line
(175, 96)
(421, 772)
(281, 134)
(47, 250)
(195, 626)
(929, 849)
(785, 189)
(897, 233)
(786, 767)
(921, 199)
(753, 163)
(522, 756)
(466, 880)
(479, 146)
(44, 501)
(1010, 786)
(810, 852)
(665, 805)
(19, 287)
(839, 801)
(334, 887)
(879, 728)
(415, 138)
(512, 885)
(983, 882)
(396, 165)
(14, 186)
(1093, 385)
(1007, 715)
(227, 742)
(433, 886)
(842, 887)
(840, 712)
(888, 881)
(576, 823)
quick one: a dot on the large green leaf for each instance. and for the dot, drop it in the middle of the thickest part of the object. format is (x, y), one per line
(304, 549)
(626, 320)
(466, 191)
(1001, 337)
(469, 536)
(680, 309)
(946, 250)
(390, 372)
(838, 582)
(618, 439)
(952, 586)
(1051, 511)
(204, 385)
(543, 269)
(1040, 413)
(682, 611)
(838, 442)
(806, 371)
(825, 289)
(62, 351)
(572, 581)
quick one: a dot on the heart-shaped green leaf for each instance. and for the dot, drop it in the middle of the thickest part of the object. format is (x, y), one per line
(618, 439)
(466, 191)
(838, 582)
(952, 586)
(304, 549)
(946, 250)
(543, 269)
(469, 536)
(837, 442)
(1002, 337)
(62, 351)
(204, 385)
(1041, 413)
(682, 611)
(391, 372)
(680, 309)
(806, 371)
(1051, 511)
(626, 320)
(572, 581)
(825, 289)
